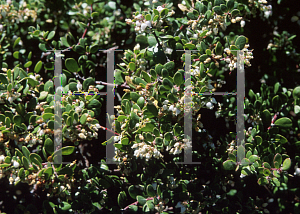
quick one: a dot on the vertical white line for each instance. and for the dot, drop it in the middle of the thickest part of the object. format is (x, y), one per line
(240, 126)
(57, 109)
(110, 148)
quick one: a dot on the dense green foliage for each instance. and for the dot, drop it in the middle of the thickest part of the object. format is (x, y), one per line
(149, 122)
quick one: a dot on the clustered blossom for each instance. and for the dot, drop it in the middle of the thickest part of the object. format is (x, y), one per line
(143, 150)
(232, 60)
(266, 9)
(210, 103)
(143, 25)
(13, 15)
(164, 46)
(10, 96)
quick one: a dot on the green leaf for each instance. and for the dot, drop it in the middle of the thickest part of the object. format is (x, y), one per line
(167, 83)
(245, 162)
(42, 47)
(150, 204)
(297, 109)
(151, 41)
(71, 65)
(25, 162)
(36, 161)
(276, 181)
(266, 165)
(266, 118)
(65, 206)
(20, 109)
(219, 49)
(51, 35)
(63, 80)
(48, 172)
(234, 48)
(17, 42)
(190, 46)
(296, 92)
(79, 49)
(253, 158)
(141, 102)
(280, 138)
(132, 191)
(38, 66)
(218, 10)
(232, 192)
(16, 55)
(151, 111)
(49, 66)
(83, 118)
(25, 151)
(230, 4)
(224, 8)
(284, 122)
(47, 116)
(150, 190)
(262, 181)
(87, 82)
(134, 208)
(121, 199)
(64, 41)
(49, 146)
(286, 164)
(67, 150)
(229, 165)
(203, 57)
(94, 48)
(7, 159)
(235, 12)
(125, 141)
(94, 104)
(48, 84)
(146, 76)
(141, 199)
(73, 86)
(43, 95)
(178, 78)
(276, 101)
(3, 79)
(164, 12)
(131, 66)
(240, 42)
(28, 64)
(142, 40)
(278, 159)
(208, 52)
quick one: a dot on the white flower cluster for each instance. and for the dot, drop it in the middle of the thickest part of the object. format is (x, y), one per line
(174, 109)
(164, 46)
(146, 151)
(17, 15)
(11, 96)
(213, 24)
(2, 158)
(267, 11)
(13, 179)
(141, 23)
(210, 103)
(248, 55)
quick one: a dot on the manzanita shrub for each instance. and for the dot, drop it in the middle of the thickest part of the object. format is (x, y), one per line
(149, 122)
